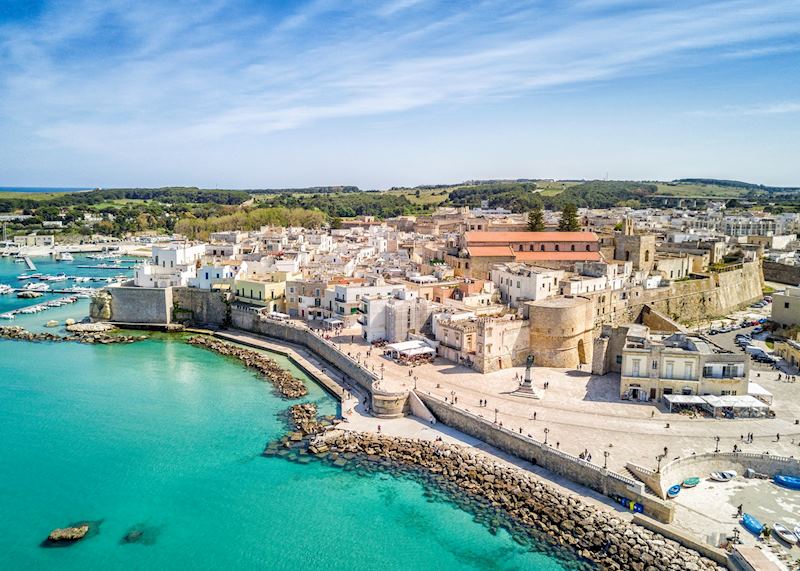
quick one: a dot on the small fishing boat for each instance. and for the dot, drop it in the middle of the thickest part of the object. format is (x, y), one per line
(751, 524)
(791, 482)
(691, 482)
(725, 476)
(674, 491)
(785, 533)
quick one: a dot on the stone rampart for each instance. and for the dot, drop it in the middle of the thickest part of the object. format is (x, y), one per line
(701, 465)
(199, 306)
(140, 305)
(571, 467)
(691, 300)
(781, 273)
(383, 404)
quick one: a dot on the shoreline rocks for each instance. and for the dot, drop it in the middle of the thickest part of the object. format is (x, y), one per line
(500, 496)
(287, 385)
(17, 333)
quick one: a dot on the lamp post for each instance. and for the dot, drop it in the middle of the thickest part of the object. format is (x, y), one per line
(546, 430)
(606, 454)
(717, 439)
(495, 414)
(659, 458)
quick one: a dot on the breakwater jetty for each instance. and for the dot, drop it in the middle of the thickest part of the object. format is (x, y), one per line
(90, 337)
(476, 482)
(288, 386)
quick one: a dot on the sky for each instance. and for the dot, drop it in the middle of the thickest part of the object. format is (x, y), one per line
(266, 94)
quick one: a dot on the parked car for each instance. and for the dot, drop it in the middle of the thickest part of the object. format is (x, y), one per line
(768, 298)
(713, 332)
(758, 329)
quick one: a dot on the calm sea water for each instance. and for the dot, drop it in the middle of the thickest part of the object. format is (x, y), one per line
(166, 438)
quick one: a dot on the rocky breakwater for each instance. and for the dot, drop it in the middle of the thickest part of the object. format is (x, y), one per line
(287, 385)
(103, 338)
(503, 496)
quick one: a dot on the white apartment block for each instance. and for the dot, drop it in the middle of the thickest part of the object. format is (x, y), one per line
(518, 282)
(170, 265)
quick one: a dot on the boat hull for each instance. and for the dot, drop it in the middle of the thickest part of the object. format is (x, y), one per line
(790, 482)
(751, 524)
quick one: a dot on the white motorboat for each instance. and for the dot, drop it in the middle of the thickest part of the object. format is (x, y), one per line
(785, 533)
(725, 476)
(5, 289)
(36, 286)
(64, 257)
(6, 316)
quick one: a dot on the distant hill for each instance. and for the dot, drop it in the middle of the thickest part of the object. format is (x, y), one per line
(736, 184)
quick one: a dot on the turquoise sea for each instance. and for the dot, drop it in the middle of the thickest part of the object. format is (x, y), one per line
(166, 438)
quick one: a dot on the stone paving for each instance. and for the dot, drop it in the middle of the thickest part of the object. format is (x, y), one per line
(583, 412)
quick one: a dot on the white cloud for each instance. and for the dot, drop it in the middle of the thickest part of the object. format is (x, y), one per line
(116, 77)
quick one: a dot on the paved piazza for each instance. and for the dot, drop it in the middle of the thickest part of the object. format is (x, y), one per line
(583, 411)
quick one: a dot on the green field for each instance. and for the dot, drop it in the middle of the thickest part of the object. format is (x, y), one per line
(692, 190)
(32, 195)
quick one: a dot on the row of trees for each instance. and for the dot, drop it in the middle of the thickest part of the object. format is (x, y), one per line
(567, 223)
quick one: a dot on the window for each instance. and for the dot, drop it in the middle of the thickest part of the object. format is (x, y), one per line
(557, 248)
(572, 247)
(667, 390)
(687, 370)
(635, 367)
(587, 247)
(729, 371)
(541, 248)
(708, 371)
(655, 365)
(670, 369)
(786, 305)
(619, 359)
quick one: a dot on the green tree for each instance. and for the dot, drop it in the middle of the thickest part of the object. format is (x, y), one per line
(569, 219)
(336, 223)
(536, 219)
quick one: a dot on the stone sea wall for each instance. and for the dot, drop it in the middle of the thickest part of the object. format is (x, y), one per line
(579, 471)
(523, 504)
(283, 381)
(382, 404)
(701, 465)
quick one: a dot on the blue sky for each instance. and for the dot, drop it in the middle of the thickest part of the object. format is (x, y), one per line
(401, 92)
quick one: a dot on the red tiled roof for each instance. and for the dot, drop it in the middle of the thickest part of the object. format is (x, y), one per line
(508, 237)
(557, 256)
(484, 251)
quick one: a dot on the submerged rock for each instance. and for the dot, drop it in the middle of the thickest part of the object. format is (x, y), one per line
(141, 534)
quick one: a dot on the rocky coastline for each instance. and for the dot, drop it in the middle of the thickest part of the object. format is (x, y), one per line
(16, 333)
(288, 386)
(500, 496)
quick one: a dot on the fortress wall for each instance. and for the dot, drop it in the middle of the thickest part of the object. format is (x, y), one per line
(200, 306)
(140, 305)
(562, 332)
(593, 476)
(781, 273)
(687, 301)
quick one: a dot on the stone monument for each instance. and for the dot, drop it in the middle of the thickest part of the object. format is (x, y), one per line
(525, 388)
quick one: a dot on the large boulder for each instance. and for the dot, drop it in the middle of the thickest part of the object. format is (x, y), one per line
(68, 534)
